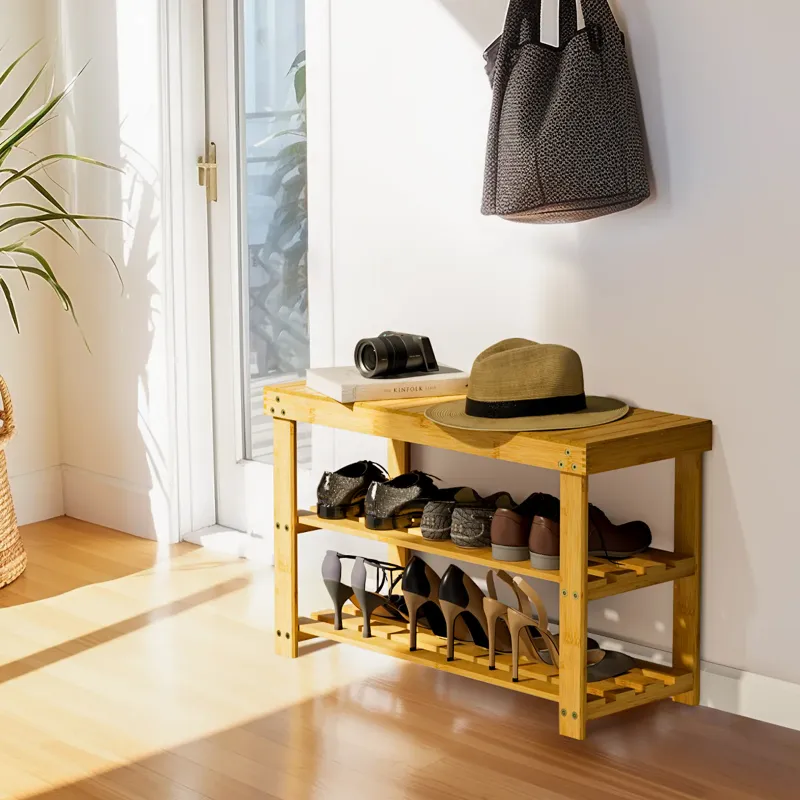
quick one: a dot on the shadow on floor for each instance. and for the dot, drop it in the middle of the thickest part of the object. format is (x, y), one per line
(74, 647)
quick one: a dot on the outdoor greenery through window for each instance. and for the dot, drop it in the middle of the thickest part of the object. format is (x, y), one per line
(276, 219)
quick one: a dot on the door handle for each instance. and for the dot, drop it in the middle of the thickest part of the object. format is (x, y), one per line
(207, 172)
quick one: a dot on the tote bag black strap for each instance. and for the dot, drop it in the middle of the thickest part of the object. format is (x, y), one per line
(567, 20)
(518, 11)
(528, 26)
(524, 20)
(598, 12)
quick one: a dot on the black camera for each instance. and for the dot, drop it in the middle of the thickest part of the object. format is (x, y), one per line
(392, 354)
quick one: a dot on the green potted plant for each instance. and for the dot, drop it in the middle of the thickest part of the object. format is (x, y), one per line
(31, 211)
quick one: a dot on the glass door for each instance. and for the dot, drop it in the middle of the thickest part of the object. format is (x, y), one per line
(259, 230)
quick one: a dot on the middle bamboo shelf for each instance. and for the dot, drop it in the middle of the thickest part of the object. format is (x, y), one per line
(606, 578)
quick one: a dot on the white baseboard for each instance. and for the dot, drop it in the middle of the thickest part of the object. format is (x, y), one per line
(735, 691)
(38, 495)
(103, 500)
(233, 542)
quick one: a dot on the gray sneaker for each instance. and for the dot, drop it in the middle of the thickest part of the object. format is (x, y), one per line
(472, 527)
(438, 516)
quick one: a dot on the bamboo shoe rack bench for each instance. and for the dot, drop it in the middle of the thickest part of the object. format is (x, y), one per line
(640, 438)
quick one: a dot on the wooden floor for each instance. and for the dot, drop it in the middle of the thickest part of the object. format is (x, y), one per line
(134, 673)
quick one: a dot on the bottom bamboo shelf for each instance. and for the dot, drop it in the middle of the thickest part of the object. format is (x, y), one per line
(644, 684)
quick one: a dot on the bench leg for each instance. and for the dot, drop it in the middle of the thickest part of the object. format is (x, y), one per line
(573, 605)
(686, 591)
(285, 494)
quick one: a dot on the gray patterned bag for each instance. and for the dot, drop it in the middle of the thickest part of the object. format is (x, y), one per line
(565, 139)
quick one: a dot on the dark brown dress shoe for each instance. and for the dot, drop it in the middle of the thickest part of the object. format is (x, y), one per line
(511, 528)
(606, 540)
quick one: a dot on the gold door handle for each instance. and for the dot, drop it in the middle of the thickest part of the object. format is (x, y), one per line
(207, 172)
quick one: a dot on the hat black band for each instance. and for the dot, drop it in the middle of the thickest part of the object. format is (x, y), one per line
(541, 407)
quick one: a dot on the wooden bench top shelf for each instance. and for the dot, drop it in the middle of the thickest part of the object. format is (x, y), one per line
(639, 438)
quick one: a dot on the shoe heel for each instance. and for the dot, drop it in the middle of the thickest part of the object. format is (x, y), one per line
(451, 613)
(516, 622)
(374, 523)
(539, 561)
(494, 611)
(413, 602)
(352, 511)
(332, 578)
(515, 656)
(368, 601)
(340, 594)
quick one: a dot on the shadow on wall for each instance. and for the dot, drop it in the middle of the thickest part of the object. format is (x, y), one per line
(115, 420)
(630, 273)
(481, 20)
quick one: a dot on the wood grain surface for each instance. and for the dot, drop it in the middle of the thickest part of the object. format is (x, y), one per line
(137, 672)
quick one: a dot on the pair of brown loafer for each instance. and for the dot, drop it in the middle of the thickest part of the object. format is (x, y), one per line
(532, 531)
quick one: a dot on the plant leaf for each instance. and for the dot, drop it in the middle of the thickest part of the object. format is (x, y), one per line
(273, 136)
(50, 217)
(49, 276)
(300, 84)
(10, 302)
(21, 99)
(300, 58)
(40, 164)
(34, 120)
(13, 64)
(48, 196)
(22, 274)
(298, 150)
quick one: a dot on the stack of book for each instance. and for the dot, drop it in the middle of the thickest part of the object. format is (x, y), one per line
(348, 385)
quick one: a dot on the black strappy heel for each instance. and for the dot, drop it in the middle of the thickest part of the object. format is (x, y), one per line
(387, 575)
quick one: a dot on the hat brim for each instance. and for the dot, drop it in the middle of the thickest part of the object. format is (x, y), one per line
(598, 411)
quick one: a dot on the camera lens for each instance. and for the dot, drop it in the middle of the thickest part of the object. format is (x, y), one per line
(373, 358)
(368, 357)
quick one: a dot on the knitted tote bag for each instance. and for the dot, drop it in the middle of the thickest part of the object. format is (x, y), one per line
(565, 139)
(12, 554)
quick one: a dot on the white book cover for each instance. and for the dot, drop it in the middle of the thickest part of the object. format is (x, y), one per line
(348, 385)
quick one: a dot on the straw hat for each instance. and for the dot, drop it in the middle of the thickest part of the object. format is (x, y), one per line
(519, 385)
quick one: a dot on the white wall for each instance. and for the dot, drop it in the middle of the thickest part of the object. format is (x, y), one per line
(28, 360)
(114, 402)
(687, 304)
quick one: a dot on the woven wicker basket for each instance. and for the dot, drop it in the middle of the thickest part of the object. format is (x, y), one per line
(12, 554)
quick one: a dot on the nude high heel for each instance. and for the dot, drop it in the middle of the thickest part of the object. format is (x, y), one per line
(497, 611)
(600, 664)
(459, 597)
(520, 623)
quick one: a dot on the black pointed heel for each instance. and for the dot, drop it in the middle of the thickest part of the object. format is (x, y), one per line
(421, 592)
(460, 597)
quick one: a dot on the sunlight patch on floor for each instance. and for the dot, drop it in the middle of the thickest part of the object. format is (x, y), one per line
(113, 672)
